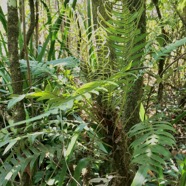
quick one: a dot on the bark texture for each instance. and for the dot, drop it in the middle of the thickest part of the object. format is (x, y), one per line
(121, 152)
(17, 80)
(16, 76)
(133, 100)
(116, 135)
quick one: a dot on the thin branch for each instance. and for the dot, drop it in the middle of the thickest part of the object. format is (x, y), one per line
(37, 25)
(31, 26)
(166, 68)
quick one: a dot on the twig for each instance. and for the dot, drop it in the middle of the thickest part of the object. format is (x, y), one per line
(166, 68)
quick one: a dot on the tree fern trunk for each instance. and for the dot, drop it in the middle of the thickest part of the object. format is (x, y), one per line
(134, 95)
(116, 135)
(121, 155)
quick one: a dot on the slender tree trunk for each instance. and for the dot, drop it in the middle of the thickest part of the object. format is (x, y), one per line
(121, 152)
(17, 80)
(15, 71)
(161, 62)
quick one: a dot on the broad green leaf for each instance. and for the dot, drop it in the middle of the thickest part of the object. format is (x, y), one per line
(146, 161)
(43, 49)
(140, 140)
(165, 133)
(4, 142)
(164, 126)
(48, 88)
(169, 48)
(68, 62)
(166, 141)
(77, 132)
(15, 100)
(3, 19)
(93, 85)
(41, 116)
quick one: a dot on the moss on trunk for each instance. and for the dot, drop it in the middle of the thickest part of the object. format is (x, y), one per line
(15, 71)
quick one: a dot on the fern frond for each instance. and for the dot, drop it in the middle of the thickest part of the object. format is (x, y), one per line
(151, 143)
(15, 165)
(116, 43)
(123, 35)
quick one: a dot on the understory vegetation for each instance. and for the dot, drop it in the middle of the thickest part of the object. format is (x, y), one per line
(93, 93)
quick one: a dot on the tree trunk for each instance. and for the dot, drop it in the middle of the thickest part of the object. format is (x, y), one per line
(133, 100)
(161, 62)
(15, 71)
(17, 80)
(121, 165)
(116, 136)
(121, 153)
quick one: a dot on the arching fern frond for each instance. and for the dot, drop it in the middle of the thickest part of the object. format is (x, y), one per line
(150, 146)
(124, 38)
(117, 42)
(24, 161)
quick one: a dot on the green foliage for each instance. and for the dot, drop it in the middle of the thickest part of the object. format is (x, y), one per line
(150, 147)
(119, 43)
(61, 102)
(3, 19)
(47, 135)
(48, 153)
(39, 148)
(182, 165)
(165, 51)
(69, 113)
(122, 33)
